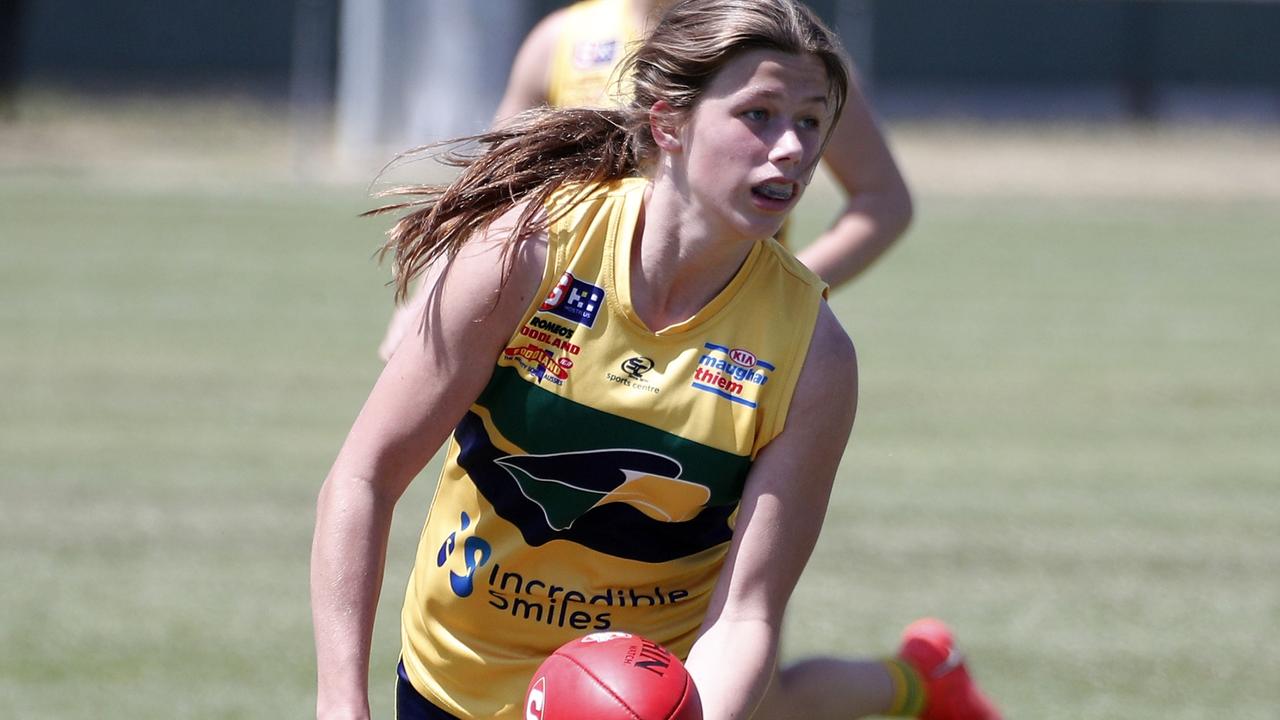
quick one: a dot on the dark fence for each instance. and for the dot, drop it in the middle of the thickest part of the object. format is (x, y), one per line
(253, 44)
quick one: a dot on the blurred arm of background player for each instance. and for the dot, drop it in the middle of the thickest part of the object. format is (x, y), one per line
(877, 208)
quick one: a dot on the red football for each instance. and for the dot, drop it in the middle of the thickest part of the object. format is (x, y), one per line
(612, 676)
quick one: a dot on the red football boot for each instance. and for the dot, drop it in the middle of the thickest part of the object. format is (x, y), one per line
(950, 692)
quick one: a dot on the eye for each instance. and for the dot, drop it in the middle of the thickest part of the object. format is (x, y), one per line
(809, 123)
(756, 115)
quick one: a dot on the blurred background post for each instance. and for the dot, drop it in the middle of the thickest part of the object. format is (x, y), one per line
(1067, 435)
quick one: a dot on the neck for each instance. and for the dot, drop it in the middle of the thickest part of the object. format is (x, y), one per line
(678, 262)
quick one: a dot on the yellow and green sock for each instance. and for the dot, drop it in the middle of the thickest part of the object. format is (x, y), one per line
(908, 689)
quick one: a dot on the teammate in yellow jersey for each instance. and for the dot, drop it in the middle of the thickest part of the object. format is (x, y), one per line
(570, 59)
(645, 396)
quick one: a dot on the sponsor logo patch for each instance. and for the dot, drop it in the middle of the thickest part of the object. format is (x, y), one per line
(534, 331)
(735, 374)
(551, 328)
(633, 374)
(475, 553)
(636, 367)
(541, 363)
(594, 52)
(575, 300)
(541, 600)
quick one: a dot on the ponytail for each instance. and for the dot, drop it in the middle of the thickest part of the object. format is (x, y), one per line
(526, 160)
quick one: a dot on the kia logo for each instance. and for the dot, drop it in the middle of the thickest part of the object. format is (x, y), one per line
(636, 367)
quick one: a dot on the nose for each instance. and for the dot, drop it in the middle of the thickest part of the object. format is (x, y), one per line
(787, 148)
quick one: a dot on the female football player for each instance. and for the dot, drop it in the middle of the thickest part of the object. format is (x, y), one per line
(646, 398)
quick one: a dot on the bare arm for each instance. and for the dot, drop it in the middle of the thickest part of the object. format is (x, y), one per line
(782, 510)
(426, 387)
(877, 207)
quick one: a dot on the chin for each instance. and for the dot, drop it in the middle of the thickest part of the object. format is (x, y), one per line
(762, 225)
(753, 225)
(762, 230)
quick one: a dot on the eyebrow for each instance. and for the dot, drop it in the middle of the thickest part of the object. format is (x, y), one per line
(771, 93)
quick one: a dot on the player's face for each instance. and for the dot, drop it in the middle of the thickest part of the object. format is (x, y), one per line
(752, 141)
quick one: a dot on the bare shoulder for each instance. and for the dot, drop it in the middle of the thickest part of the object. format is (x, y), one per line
(826, 396)
(832, 361)
(495, 272)
(501, 231)
(474, 298)
(472, 303)
(529, 81)
(549, 27)
(541, 41)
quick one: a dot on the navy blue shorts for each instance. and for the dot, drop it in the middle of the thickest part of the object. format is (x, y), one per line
(412, 706)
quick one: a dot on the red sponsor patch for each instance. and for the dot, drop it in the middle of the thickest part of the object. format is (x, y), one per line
(541, 361)
(556, 297)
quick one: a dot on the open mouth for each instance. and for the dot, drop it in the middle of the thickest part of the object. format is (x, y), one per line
(781, 191)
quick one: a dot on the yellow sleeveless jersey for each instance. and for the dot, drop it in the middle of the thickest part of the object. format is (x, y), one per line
(597, 35)
(594, 483)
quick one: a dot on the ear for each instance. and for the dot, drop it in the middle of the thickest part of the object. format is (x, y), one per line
(665, 122)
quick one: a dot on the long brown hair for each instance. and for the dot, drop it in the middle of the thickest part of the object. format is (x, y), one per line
(538, 151)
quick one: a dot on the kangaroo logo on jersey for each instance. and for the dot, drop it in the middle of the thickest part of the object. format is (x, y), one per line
(623, 502)
(567, 485)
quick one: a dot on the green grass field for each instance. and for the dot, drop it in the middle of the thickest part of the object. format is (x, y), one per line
(1068, 443)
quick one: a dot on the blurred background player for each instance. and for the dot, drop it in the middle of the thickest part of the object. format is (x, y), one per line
(570, 60)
